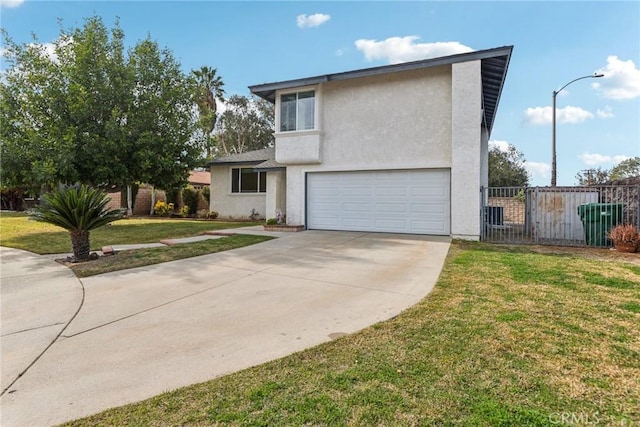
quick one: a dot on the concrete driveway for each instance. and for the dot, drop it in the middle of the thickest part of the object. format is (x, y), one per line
(130, 335)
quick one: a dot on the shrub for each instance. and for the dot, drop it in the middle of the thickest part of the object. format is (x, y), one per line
(254, 215)
(162, 208)
(207, 214)
(206, 193)
(190, 198)
(624, 233)
(184, 211)
(172, 195)
(272, 221)
(77, 209)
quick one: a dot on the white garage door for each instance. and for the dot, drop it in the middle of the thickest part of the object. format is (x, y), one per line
(400, 201)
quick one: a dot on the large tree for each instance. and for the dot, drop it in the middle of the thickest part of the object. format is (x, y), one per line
(247, 124)
(506, 168)
(93, 113)
(626, 169)
(209, 90)
(597, 176)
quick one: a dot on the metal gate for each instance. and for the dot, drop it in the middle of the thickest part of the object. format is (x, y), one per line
(556, 215)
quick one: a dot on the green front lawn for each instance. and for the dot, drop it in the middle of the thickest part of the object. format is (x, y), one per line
(17, 231)
(508, 337)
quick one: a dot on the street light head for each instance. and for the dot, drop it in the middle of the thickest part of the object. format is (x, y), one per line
(553, 124)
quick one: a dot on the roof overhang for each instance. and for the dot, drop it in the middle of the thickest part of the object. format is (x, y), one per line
(494, 64)
(235, 162)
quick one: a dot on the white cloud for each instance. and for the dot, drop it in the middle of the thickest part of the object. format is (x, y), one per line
(621, 79)
(538, 169)
(311, 21)
(221, 107)
(402, 49)
(341, 52)
(11, 3)
(539, 116)
(501, 145)
(49, 49)
(594, 159)
(607, 113)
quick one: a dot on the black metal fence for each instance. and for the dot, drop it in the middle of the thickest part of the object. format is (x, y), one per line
(565, 216)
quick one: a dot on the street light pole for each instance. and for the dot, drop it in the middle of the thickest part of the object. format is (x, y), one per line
(553, 124)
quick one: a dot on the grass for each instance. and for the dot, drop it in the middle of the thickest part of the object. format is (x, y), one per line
(505, 339)
(141, 257)
(17, 231)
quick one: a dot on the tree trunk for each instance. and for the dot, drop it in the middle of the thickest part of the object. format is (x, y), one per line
(129, 202)
(153, 199)
(80, 244)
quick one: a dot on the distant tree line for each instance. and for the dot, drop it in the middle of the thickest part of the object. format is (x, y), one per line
(597, 176)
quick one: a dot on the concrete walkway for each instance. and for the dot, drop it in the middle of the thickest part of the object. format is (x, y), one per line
(144, 331)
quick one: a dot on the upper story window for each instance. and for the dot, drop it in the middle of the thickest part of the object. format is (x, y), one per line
(297, 111)
(246, 180)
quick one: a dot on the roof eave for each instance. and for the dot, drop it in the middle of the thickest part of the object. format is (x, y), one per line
(267, 90)
(235, 162)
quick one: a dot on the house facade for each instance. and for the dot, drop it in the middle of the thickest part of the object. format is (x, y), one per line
(400, 148)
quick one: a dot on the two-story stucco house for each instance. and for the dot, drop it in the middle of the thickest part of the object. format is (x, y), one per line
(401, 148)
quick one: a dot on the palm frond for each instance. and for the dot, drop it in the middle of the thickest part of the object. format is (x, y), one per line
(76, 209)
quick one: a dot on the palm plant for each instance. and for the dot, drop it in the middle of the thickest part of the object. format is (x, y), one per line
(209, 89)
(78, 209)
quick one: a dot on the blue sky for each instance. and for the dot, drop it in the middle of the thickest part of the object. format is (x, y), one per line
(554, 43)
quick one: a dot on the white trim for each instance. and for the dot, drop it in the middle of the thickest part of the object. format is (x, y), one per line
(298, 133)
(231, 168)
(316, 109)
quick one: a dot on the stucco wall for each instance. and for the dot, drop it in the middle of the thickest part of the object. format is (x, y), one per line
(395, 121)
(276, 198)
(467, 149)
(227, 204)
(399, 120)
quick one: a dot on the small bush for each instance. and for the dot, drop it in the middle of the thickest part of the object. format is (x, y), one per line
(162, 208)
(190, 198)
(206, 193)
(624, 233)
(272, 221)
(254, 215)
(184, 211)
(206, 214)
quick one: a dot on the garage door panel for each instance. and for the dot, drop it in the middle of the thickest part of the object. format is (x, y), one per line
(415, 201)
(394, 208)
(357, 192)
(428, 208)
(390, 224)
(430, 192)
(356, 224)
(428, 227)
(392, 191)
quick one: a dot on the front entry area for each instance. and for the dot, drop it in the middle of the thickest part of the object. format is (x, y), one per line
(416, 201)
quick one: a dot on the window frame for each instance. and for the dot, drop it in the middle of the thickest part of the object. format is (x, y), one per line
(237, 188)
(280, 111)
